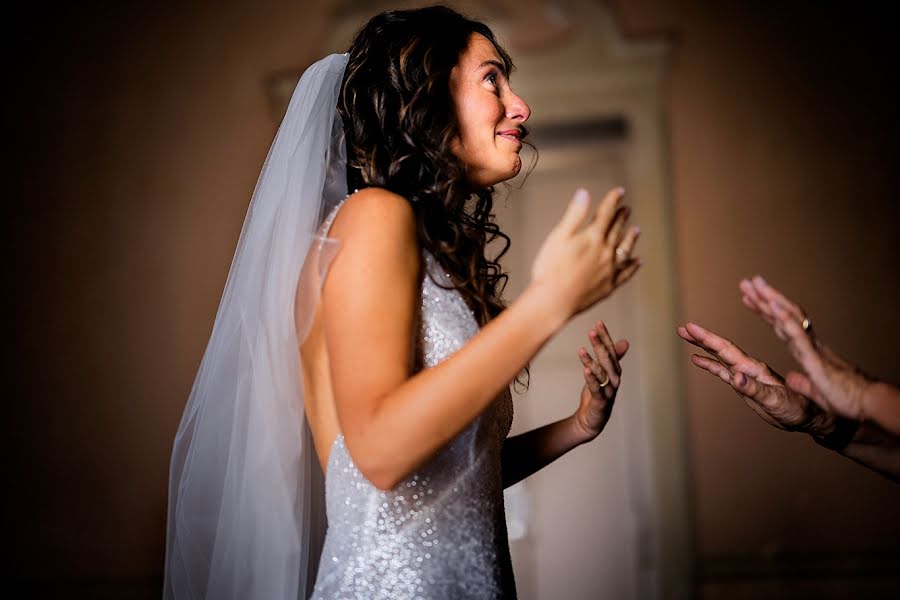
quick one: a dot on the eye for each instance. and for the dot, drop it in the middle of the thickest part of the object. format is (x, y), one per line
(491, 78)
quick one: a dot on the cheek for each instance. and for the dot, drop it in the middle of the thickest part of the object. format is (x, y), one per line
(479, 115)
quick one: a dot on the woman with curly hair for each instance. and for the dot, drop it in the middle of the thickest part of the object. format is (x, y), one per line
(406, 348)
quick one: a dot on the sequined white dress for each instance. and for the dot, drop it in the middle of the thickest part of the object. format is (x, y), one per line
(440, 533)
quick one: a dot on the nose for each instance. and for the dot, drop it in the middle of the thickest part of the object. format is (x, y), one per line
(516, 108)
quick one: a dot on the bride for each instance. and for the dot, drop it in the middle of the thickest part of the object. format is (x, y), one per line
(362, 335)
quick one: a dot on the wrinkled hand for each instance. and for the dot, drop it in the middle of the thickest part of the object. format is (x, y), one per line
(587, 255)
(595, 405)
(833, 383)
(760, 387)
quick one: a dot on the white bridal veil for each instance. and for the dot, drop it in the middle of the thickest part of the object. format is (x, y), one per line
(246, 500)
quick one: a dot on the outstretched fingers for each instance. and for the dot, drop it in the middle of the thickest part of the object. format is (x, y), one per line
(749, 387)
(738, 380)
(799, 342)
(713, 366)
(754, 392)
(753, 300)
(773, 300)
(722, 348)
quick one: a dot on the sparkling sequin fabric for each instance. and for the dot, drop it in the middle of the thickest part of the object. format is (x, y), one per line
(441, 533)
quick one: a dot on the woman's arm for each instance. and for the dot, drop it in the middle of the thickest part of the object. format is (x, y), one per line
(531, 451)
(392, 423)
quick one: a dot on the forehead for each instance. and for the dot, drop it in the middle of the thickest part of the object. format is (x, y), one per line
(479, 50)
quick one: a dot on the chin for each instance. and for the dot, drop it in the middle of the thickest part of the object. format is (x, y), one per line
(512, 170)
(517, 166)
(499, 175)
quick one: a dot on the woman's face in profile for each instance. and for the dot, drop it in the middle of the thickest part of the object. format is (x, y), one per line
(489, 115)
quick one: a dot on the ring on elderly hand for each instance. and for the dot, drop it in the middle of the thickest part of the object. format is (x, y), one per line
(603, 384)
(806, 324)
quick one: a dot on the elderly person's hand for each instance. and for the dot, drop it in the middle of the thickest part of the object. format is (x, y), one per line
(602, 377)
(759, 386)
(832, 382)
(803, 402)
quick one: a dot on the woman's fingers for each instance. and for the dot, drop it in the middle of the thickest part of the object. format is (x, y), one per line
(753, 300)
(627, 272)
(713, 366)
(750, 304)
(605, 361)
(599, 333)
(715, 344)
(749, 386)
(617, 229)
(626, 246)
(606, 211)
(723, 349)
(592, 382)
(605, 385)
(576, 213)
(752, 391)
(770, 295)
(770, 301)
(609, 365)
(777, 303)
(801, 347)
(684, 334)
(606, 367)
(623, 249)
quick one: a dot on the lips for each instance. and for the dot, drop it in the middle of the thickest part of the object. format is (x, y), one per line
(513, 135)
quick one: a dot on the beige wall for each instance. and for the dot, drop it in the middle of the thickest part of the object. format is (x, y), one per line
(784, 151)
(137, 137)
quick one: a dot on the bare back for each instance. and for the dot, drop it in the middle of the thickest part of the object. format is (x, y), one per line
(372, 224)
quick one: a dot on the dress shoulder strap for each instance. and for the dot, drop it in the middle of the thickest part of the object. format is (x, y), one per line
(329, 220)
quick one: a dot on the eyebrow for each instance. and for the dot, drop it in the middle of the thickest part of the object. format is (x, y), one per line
(495, 63)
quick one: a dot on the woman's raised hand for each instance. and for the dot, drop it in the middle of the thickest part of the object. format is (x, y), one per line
(588, 254)
(602, 376)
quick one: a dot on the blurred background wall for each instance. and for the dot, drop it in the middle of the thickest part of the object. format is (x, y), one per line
(137, 133)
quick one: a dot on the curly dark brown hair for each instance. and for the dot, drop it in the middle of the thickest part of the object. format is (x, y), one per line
(399, 123)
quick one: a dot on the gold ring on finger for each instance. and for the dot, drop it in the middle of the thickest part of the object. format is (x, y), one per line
(603, 384)
(806, 324)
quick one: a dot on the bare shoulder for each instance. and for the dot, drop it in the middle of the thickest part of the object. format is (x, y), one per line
(376, 215)
(378, 243)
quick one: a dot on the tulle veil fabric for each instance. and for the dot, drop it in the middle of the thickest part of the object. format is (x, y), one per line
(246, 499)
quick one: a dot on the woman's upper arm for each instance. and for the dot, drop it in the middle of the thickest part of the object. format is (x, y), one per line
(369, 301)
